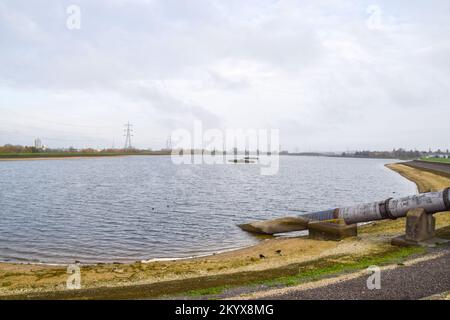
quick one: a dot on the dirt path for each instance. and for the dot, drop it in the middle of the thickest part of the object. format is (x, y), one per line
(438, 168)
(415, 279)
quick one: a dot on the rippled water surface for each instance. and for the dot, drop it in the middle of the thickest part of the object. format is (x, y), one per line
(133, 208)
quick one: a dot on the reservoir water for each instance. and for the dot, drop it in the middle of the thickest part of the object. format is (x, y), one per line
(144, 207)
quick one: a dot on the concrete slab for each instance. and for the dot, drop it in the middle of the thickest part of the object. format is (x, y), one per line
(280, 225)
(419, 230)
(331, 230)
(401, 241)
(420, 226)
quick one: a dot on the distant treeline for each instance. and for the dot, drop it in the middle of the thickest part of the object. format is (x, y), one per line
(395, 154)
(17, 151)
(9, 148)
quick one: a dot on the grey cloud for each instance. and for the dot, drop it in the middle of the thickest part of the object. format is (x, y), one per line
(175, 109)
(228, 83)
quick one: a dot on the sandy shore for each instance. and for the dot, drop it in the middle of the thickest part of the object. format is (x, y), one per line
(426, 181)
(270, 259)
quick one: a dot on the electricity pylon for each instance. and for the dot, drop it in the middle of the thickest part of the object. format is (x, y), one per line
(128, 135)
(169, 143)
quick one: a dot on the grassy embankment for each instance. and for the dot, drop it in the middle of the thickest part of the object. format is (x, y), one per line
(300, 260)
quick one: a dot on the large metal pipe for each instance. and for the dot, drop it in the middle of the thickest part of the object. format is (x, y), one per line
(390, 208)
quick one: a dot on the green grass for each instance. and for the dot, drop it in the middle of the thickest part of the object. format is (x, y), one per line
(439, 160)
(318, 270)
(362, 263)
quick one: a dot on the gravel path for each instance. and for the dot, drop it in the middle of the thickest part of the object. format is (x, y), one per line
(416, 281)
(441, 168)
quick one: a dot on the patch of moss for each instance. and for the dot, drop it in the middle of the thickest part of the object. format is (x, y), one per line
(333, 268)
(206, 291)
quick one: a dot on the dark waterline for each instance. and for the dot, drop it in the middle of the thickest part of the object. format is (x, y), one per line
(138, 208)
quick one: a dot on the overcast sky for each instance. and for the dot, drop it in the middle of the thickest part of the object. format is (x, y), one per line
(331, 75)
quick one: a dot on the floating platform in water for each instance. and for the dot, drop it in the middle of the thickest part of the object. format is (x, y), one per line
(245, 160)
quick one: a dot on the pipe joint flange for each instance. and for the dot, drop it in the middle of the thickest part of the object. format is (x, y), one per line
(385, 212)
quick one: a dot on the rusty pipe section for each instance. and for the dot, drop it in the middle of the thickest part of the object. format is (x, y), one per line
(390, 208)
